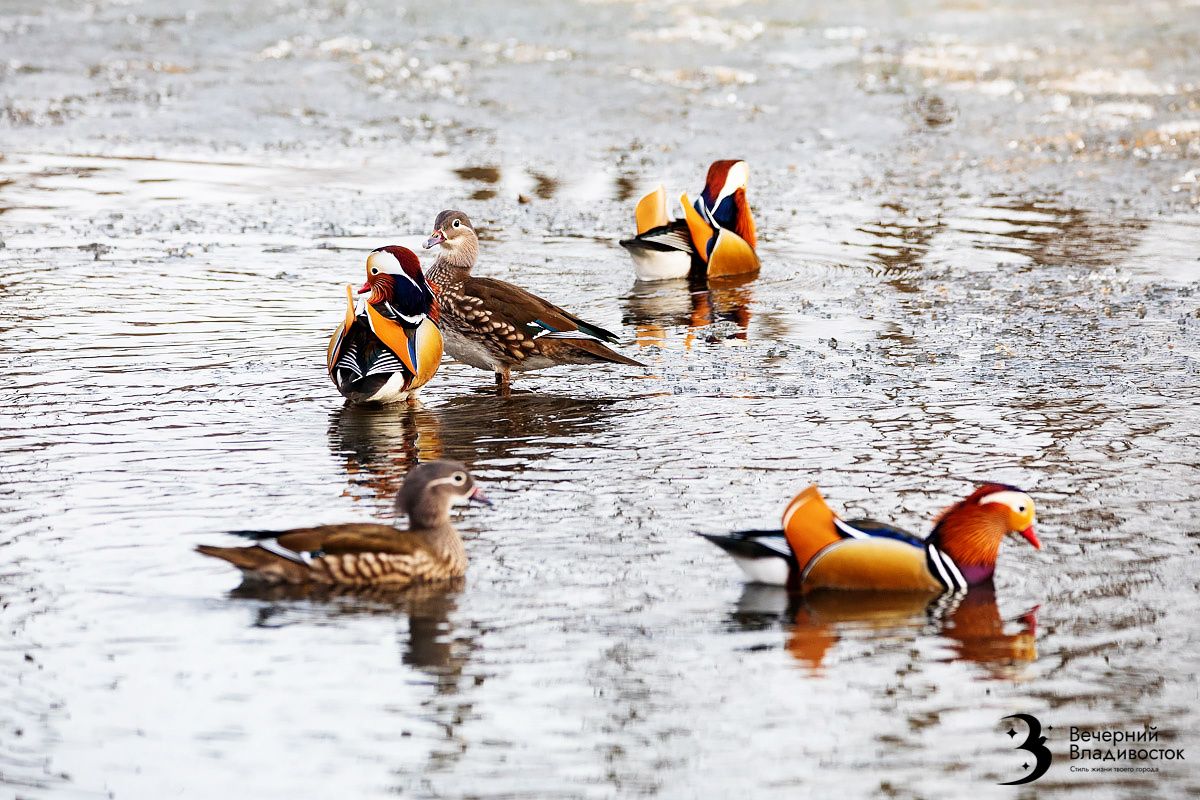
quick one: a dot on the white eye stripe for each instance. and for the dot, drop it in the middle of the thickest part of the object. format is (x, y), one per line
(457, 479)
(385, 262)
(1017, 501)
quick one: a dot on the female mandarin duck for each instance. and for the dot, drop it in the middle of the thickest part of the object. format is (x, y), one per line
(817, 549)
(389, 345)
(716, 236)
(497, 326)
(368, 554)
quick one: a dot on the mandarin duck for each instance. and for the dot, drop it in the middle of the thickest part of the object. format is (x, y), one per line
(493, 325)
(716, 236)
(388, 345)
(367, 554)
(817, 549)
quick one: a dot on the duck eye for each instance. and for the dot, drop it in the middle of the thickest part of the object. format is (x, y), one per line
(374, 270)
(457, 223)
(1021, 509)
(459, 478)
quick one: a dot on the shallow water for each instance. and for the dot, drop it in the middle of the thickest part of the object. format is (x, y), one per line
(981, 246)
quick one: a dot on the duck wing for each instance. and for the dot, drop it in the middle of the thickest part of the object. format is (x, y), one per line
(490, 302)
(357, 554)
(674, 236)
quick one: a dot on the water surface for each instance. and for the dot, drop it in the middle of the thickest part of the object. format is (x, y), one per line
(980, 243)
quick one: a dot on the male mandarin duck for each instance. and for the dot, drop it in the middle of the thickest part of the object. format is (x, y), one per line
(369, 554)
(716, 236)
(493, 325)
(817, 549)
(388, 345)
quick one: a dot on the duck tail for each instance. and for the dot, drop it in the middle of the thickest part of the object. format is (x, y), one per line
(808, 523)
(584, 349)
(261, 563)
(244, 558)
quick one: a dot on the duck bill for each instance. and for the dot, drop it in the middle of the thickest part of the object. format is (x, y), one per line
(1031, 537)
(477, 496)
(366, 287)
(433, 241)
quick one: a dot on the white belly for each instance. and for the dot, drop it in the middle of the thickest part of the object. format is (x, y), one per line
(393, 391)
(768, 571)
(660, 265)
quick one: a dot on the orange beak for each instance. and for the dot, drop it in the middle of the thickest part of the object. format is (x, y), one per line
(1032, 538)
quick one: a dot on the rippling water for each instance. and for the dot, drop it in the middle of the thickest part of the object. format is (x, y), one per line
(954, 290)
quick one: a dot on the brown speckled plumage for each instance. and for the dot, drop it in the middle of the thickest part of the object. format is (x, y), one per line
(369, 554)
(493, 325)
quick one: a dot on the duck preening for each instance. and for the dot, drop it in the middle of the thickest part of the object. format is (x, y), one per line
(817, 549)
(369, 554)
(496, 326)
(715, 237)
(388, 345)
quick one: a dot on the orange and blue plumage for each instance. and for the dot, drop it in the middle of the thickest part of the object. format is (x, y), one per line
(817, 549)
(716, 236)
(389, 344)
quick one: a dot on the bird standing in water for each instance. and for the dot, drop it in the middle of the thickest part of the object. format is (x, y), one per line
(369, 554)
(817, 549)
(388, 345)
(493, 325)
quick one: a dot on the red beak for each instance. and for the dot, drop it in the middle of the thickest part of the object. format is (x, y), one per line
(366, 287)
(1031, 537)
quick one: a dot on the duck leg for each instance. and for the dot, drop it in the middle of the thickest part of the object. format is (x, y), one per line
(503, 383)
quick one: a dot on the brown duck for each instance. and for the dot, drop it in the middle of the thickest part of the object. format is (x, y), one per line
(497, 326)
(368, 554)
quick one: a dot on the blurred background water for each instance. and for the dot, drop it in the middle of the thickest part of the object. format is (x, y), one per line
(980, 243)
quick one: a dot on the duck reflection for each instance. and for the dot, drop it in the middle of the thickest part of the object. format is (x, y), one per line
(426, 644)
(819, 620)
(694, 302)
(378, 446)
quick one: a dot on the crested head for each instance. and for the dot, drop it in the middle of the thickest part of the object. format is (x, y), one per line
(430, 489)
(386, 265)
(453, 231)
(723, 179)
(971, 530)
(724, 199)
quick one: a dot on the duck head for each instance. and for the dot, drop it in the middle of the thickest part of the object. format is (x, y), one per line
(971, 530)
(724, 199)
(394, 276)
(456, 235)
(431, 489)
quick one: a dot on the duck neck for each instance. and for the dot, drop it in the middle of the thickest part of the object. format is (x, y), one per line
(974, 546)
(454, 265)
(428, 511)
(444, 539)
(430, 516)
